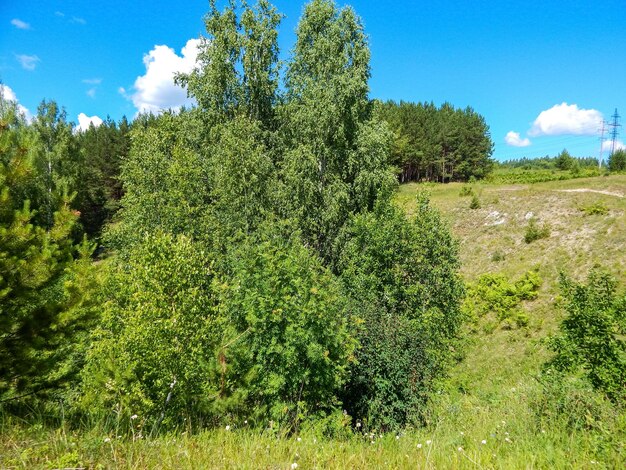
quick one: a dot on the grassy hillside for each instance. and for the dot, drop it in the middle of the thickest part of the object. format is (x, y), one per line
(488, 415)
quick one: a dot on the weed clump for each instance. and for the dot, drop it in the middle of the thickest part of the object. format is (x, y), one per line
(597, 208)
(534, 232)
(475, 203)
(466, 190)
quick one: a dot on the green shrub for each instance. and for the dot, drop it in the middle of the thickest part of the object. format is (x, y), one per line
(475, 202)
(403, 278)
(287, 341)
(269, 340)
(495, 293)
(534, 232)
(153, 352)
(591, 339)
(597, 208)
(466, 190)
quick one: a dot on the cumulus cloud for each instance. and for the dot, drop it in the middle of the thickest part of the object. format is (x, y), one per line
(564, 119)
(9, 95)
(28, 62)
(156, 90)
(19, 24)
(514, 139)
(607, 145)
(84, 121)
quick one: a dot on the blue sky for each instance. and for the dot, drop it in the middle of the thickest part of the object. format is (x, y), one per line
(543, 73)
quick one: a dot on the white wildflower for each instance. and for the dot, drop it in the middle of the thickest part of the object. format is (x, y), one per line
(228, 427)
(419, 446)
(429, 442)
(133, 417)
(483, 442)
(294, 466)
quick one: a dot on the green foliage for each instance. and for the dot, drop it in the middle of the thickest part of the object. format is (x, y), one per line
(438, 144)
(564, 161)
(534, 232)
(42, 286)
(591, 338)
(237, 71)
(494, 293)
(466, 190)
(103, 149)
(617, 160)
(402, 274)
(167, 184)
(475, 202)
(153, 351)
(597, 208)
(336, 153)
(521, 175)
(287, 342)
(269, 341)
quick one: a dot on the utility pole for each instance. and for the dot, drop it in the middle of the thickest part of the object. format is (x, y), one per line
(602, 139)
(614, 133)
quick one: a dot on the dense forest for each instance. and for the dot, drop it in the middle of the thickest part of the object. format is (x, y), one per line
(244, 260)
(438, 144)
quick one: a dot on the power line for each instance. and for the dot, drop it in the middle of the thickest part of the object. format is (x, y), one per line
(602, 139)
(614, 133)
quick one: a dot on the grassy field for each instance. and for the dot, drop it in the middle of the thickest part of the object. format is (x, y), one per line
(486, 416)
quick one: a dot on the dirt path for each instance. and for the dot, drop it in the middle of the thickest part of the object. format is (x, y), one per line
(587, 190)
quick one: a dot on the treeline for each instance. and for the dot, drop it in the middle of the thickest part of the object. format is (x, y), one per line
(563, 161)
(258, 268)
(433, 143)
(80, 169)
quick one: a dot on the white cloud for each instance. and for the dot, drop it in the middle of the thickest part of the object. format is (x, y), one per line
(514, 139)
(607, 145)
(156, 91)
(84, 121)
(564, 119)
(59, 14)
(92, 81)
(19, 24)
(76, 19)
(91, 93)
(28, 62)
(9, 95)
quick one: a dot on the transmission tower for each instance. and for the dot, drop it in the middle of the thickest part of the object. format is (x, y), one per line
(602, 139)
(614, 132)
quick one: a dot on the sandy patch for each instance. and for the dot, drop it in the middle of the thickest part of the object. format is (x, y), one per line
(587, 190)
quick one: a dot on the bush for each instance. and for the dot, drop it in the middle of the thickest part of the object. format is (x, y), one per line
(597, 208)
(153, 352)
(475, 202)
(466, 190)
(287, 341)
(495, 293)
(591, 338)
(534, 232)
(403, 278)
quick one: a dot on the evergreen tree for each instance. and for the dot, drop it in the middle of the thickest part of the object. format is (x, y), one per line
(617, 160)
(42, 287)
